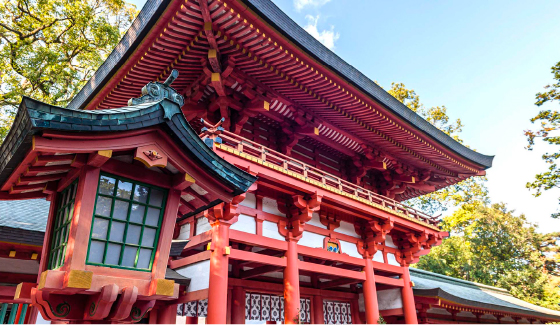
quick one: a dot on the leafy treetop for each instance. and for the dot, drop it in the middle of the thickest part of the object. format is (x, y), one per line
(548, 122)
(50, 48)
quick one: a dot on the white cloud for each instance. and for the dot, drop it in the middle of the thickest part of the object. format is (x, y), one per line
(327, 37)
(300, 4)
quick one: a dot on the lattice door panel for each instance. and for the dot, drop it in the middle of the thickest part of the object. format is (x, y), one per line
(196, 308)
(337, 312)
(262, 307)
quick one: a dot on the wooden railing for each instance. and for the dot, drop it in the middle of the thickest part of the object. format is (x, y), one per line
(289, 164)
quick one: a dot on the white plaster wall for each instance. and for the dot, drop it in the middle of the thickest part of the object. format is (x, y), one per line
(245, 223)
(391, 260)
(270, 230)
(185, 231)
(202, 226)
(389, 299)
(378, 257)
(250, 201)
(271, 206)
(181, 319)
(304, 278)
(311, 239)
(347, 228)
(199, 273)
(389, 241)
(277, 275)
(349, 248)
(316, 221)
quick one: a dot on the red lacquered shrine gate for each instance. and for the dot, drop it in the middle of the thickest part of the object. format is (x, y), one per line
(322, 235)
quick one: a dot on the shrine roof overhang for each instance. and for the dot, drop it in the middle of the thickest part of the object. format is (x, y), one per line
(34, 117)
(474, 296)
(170, 34)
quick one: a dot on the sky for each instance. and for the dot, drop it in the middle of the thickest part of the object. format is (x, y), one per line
(483, 60)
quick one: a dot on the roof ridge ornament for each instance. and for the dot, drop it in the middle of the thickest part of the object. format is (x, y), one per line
(156, 91)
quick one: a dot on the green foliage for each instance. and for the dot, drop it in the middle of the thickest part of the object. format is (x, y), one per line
(493, 246)
(50, 48)
(548, 122)
(470, 190)
(381, 320)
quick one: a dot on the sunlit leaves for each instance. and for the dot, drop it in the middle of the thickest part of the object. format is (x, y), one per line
(548, 122)
(492, 245)
(50, 48)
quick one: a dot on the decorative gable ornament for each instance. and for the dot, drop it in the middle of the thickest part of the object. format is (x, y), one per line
(156, 91)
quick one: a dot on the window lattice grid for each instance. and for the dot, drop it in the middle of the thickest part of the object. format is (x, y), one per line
(126, 223)
(61, 226)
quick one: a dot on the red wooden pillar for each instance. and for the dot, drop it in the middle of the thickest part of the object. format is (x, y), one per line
(318, 316)
(409, 306)
(224, 215)
(167, 314)
(291, 282)
(370, 293)
(218, 286)
(238, 305)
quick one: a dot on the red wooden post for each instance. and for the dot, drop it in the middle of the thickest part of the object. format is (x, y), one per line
(291, 283)
(167, 314)
(217, 290)
(238, 306)
(409, 306)
(318, 316)
(370, 293)
(78, 239)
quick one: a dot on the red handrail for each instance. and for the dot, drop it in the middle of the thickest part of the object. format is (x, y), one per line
(256, 150)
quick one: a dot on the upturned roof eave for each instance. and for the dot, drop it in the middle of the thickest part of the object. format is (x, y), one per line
(303, 40)
(34, 116)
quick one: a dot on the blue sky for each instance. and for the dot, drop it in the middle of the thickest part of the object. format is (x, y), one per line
(483, 60)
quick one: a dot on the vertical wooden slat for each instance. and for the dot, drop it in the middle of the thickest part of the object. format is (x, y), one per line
(23, 313)
(13, 313)
(3, 310)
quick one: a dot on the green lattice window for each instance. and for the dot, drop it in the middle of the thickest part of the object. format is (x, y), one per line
(61, 226)
(126, 223)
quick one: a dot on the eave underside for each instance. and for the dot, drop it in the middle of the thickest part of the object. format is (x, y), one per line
(263, 64)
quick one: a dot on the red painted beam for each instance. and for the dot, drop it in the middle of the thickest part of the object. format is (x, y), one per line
(202, 256)
(240, 255)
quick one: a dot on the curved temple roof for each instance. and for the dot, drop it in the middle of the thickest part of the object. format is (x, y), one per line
(34, 116)
(297, 35)
(475, 295)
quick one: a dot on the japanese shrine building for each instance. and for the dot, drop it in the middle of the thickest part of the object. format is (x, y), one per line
(223, 164)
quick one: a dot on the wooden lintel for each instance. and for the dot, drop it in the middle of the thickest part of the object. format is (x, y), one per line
(192, 192)
(378, 165)
(79, 161)
(46, 170)
(30, 180)
(405, 178)
(259, 271)
(97, 159)
(182, 180)
(51, 160)
(336, 283)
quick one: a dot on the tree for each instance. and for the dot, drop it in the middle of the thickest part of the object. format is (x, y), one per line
(50, 48)
(548, 123)
(470, 190)
(493, 246)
